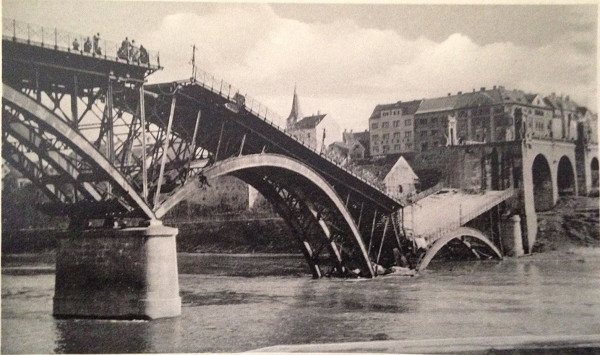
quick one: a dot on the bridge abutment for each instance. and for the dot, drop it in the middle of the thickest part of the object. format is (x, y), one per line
(118, 273)
(512, 238)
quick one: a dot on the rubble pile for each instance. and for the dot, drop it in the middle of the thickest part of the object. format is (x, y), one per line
(573, 222)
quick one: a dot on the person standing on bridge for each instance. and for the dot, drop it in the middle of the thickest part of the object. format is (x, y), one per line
(123, 52)
(97, 49)
(87, 45)
(135, 53)
(144, 59)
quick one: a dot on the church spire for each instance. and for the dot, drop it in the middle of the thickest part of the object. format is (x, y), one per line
(295, 114)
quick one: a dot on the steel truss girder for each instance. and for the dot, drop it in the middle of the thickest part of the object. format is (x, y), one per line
(316, 231)
(50, 122)
(33, 172)
(282, 170)
(295, 220)
(37, 143)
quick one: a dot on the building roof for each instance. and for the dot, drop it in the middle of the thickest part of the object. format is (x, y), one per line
(444, 103)
(408, 108)
(560, 102)
(362, 136)
(309, 122)
(403, 168)
(341, 145)
(478, 98)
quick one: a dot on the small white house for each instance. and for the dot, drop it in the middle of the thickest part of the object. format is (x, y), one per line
(401, 180)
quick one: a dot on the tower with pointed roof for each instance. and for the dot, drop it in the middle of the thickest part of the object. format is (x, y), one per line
(295, 114)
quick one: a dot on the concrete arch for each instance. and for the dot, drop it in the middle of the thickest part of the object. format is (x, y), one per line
(565, 177)
(53, 123)
(458, 233)
(259, 161)
(543, 183)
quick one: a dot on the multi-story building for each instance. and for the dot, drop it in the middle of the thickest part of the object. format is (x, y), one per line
(487, 115)
(391, 128)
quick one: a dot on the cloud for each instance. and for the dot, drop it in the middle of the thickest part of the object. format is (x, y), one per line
(345, 69)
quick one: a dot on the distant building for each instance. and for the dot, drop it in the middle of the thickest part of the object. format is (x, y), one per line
(401, 180)
(487, 115)
(391, 128)
(316, 131)
(348, 149)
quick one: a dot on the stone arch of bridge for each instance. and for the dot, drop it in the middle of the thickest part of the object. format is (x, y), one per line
(463, 234)
(543, 183)
(52, 123)
(254, 165)
(565, 177)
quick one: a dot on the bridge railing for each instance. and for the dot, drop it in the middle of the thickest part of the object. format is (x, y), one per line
(66, 41)
(230, 92)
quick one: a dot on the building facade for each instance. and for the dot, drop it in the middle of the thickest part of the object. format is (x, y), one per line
(316, 131)
(391, 128)
(480, 116)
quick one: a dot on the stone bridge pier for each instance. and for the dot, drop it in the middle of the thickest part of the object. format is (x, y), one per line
(126, 273)
(548, 172)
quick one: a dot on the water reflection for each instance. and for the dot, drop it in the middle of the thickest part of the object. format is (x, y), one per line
(106, 336)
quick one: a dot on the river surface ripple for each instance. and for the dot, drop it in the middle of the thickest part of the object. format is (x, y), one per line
(236, 303)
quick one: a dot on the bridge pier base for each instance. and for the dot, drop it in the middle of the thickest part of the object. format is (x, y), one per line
(118, 274)
(512, 238)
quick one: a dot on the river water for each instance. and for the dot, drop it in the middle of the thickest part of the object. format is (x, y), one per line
(238, 303)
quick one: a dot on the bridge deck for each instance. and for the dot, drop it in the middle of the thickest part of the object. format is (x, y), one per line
(448, 209)
(220, 119)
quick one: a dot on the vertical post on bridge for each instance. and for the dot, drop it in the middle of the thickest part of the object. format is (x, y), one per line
(74, 97)
(143, 122)
(220, 138)
(110, 145)
(165, 151)
(193, 145)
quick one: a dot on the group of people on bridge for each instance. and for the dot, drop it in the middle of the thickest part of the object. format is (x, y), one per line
(88, 45)
(129, 51)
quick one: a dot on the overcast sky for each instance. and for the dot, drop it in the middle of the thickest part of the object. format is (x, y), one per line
(345, 59)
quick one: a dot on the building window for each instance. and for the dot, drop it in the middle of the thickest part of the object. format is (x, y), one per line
(434, 132)
(423, 133)
(374, 125)
(396, 123)
(375, 137)
(407, 134)
(423, 121)
(423, 147)
(385, 125)
(375, 149)
(386, 148)
(539, 112)
(385, 114)
(407, 122)
(434, 120)
(385, 136)
(408, 146)
(397, 147)
(396, 135)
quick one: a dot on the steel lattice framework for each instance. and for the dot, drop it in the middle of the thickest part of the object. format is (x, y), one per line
(102, 145)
